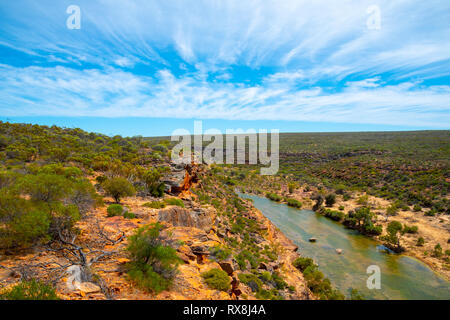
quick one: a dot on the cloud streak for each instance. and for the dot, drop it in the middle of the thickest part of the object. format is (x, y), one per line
(61, 91)
(266, 60)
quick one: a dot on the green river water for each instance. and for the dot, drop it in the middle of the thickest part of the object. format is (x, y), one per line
(402, 277)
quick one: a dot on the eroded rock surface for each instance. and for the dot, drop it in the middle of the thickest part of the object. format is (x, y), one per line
(180, 217)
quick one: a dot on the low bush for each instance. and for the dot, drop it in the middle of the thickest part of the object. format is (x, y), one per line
(303, 263)
(30, 290)
(294, 203)
(217, 279)
(420, 242)
(363, 200)
(410, 229)
(437, 251)
(316, 281)
(174, 202)
(333, 214)
(274, 197)
(114, 210)
(330, 200)
(155, 204)
(129, 215)
(153, 264)
(251, 280)
(430, 213)
(220, 252)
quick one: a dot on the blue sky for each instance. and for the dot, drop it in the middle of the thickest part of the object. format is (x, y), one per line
(149, 67)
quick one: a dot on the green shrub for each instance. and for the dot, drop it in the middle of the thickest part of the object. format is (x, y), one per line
(410, 229)
(330, 200)
(153, 264)
(294, 203)
(152, 181)
(101, 179)
(217, 279)
(333, 214)
(356, 295)
(420, 242)
(292, 186)
(315, 280)
(363, 200)
(341, 208)
(45, 187)
(430, 213)
(246, 255)
(266, 276)
(363, 219)
(251, 280)
(118, 188)
(417, 208)
(30, 290)
(274, 197)
(268, 295)
(394, 230)
(279, 281)
(155, 204)
(114, 210)
(174, 202)
(26, 229)
(160, 147)
(221, 252)
(303, 263)
(129, 215)
(319, 201)
(437, 251)
(392, 210)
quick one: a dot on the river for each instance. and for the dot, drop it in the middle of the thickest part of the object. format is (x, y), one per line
(402, 277)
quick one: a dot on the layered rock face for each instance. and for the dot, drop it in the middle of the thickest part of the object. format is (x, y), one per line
(201, 218)
(182, 178)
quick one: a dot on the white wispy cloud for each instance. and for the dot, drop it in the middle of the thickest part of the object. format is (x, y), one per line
(324, 63)
(63, 91)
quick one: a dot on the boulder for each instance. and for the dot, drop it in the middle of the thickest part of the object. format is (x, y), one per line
(265, 266)
(180, 217)
(235, 286)
(181, 178)
(339, 251)
(199, 249)
(186, 252)
(227, 266)
(88, 287)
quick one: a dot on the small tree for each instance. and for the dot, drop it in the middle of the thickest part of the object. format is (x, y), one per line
(319, 202)
(394, 230)
(330, 200)
(118, 188)
(152, 181)
(45, 187)
(420, 242)
(392, 210)
(437, 252)
(292, 186)
(153, 263)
